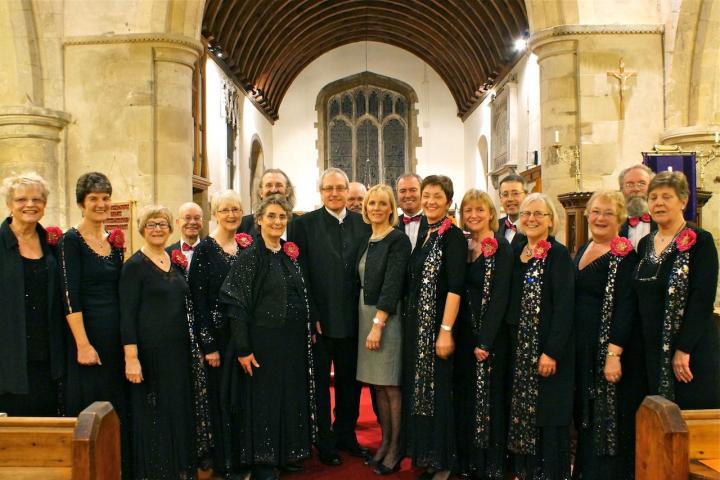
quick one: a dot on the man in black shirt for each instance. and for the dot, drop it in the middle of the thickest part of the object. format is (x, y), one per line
(272, 181)
(329, 239)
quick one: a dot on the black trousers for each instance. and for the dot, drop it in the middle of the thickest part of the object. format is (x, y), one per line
(342, 354)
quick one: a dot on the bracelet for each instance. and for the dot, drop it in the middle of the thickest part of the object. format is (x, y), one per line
(613, 354)
(377, 321)
(447, 328)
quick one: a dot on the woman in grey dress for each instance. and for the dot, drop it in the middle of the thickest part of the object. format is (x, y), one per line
(381, 267)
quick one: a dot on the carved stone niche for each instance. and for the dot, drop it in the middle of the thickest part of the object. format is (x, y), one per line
(576, 226)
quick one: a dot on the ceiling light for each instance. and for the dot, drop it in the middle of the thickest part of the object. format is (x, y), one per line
(520, 44)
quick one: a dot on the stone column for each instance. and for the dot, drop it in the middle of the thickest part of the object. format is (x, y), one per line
(30, 139)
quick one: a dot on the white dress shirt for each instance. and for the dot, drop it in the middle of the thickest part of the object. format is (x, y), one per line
(188, 253)
(413, 228)
(510, 233)
(340, 216)
(636, 233)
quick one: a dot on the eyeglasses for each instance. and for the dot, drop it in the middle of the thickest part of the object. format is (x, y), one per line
(513, 194)
(598, 213)
(228, 211)
(196, 218)
(534, 214)
(633, 185)
(336, 188)
(160, 225)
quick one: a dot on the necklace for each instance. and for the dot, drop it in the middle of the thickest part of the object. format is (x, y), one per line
(436, 225)
(664, 238)
(160, 259)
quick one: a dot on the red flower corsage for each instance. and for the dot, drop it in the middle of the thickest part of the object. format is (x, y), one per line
(489, 246)
(291, 250)
(53, 235)
(541, 249)
(620, 246)
(179, 259)
(686, 239)
(243, 240)
(445, 226)
(117, 238)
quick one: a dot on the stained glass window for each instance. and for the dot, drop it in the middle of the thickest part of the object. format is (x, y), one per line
(370, 149)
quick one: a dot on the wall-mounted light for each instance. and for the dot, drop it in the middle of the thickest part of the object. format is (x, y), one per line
(520, 44)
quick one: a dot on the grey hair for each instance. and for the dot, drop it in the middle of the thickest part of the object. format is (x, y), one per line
(330, 171)
(229, 196)
(637, 166)
(153, 211)
(275, 199)
(24, 180)
(535, 196)
(409, 175)
(289, 187)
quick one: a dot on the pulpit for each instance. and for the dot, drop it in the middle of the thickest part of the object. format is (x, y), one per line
(576, 226)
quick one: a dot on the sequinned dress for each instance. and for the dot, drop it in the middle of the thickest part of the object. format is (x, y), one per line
(430, 439)
(154, 317)
(208, 270)
(590, 286)
(267, 307)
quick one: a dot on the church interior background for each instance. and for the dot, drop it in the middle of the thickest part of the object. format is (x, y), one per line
(179, 99)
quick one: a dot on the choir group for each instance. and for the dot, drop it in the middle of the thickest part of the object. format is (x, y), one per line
(484, 342)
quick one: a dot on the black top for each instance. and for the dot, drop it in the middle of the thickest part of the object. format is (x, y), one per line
(328, 253)
(152, 307)
(499, 293)
(257, 291)
(208, 270)
(698, 333)
(21, 315)
(385, 266)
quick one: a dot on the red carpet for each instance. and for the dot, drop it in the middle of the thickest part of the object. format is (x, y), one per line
(368, 434)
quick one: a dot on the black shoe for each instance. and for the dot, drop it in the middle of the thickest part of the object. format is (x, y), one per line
(354, 449)
(292, 467)
(371, 462)
(330, 458)
(381, 469)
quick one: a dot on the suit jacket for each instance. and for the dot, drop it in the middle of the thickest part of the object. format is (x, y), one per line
(501, 233)
(422, 231)
(626, 227)
(385, 265)
(328, 255)
(13, 362)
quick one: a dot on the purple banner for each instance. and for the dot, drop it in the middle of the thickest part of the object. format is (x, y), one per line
(678, 162)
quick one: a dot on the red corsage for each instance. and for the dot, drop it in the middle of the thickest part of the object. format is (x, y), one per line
(686, 239)
(489, 246)
(445, 226)
(291, 250)
(243, 240)
(117, 238)
(53, 235)
(620, 246)
(541, 249)
(179, 259)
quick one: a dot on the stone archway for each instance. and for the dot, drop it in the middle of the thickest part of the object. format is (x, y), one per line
(257, 167)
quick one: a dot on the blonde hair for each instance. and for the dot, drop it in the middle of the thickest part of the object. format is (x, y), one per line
(612, 196)
(475, 195)
(226, 196)
(153, 211)
(387, 190)
(536, 196)
(24, 180)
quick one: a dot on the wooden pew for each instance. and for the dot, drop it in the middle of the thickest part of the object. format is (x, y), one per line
(57, 448)
(671, 442)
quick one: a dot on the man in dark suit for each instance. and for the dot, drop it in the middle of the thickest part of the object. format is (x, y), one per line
(273, 181)
(512, 194)
(329, 239)
(411, 221)
(634, 182)
(189, 223)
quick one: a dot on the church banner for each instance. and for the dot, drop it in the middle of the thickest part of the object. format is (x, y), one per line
(121, 217)
(677, 162)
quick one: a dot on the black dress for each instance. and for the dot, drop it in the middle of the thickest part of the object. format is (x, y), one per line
(590, 287)
(430, 439)
(698, 333)
(209, 267)
(268, 312)
(154, 317)
(486, 457)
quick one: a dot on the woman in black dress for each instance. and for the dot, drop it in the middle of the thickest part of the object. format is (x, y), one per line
(157, 354)
(605, 318)
(270, 386)
(211, 262)
(540, 314)
(90, 264)
(436, 277)
(676, 282)
(482, 342)
(31, 317)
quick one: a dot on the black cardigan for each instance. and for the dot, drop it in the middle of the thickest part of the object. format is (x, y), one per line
(13, 362)
(385, 266)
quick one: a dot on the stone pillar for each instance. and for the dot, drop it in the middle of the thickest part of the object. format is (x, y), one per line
(30, 139)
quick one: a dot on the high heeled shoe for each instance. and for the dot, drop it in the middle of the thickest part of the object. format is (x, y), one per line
(381, 469)
(371, 462)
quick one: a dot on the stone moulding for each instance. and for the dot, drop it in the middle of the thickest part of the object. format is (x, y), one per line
(152, 38)
(546, 34)
(32, 122)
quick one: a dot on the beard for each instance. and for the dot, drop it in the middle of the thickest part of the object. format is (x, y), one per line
(636, 206)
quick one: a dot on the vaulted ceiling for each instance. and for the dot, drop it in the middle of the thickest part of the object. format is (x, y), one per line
(267, 43)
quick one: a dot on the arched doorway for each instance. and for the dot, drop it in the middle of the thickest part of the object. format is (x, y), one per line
(257, 167)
